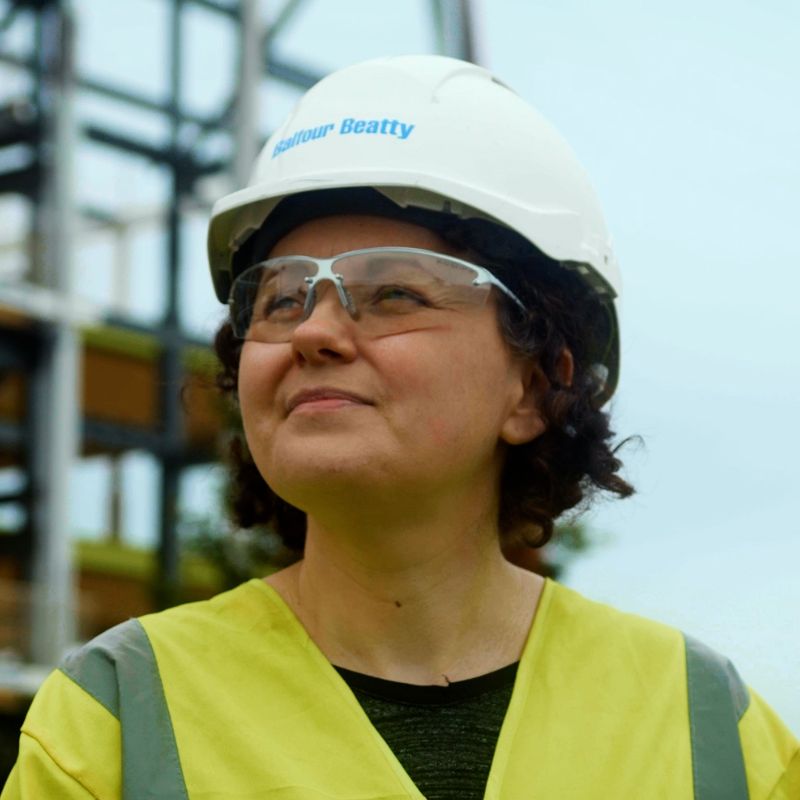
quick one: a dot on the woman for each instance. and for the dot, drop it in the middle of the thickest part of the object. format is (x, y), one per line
(422, 335)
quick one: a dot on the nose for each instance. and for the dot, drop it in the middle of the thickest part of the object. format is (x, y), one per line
(328, 333)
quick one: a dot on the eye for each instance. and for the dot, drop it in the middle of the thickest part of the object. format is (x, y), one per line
(278, 307)
(399, 296)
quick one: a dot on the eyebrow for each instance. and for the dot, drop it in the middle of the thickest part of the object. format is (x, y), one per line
(280, 269)
(382, 262)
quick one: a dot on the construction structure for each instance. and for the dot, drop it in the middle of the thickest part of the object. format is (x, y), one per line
(83, 374)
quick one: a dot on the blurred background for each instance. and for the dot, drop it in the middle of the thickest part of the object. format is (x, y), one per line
(121, 123)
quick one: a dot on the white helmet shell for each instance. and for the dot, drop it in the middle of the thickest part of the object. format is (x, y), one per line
(437, 133)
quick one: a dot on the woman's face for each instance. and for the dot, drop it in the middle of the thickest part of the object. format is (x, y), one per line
(403, 415)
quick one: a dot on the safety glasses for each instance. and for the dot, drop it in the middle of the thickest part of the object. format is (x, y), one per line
(387, 290)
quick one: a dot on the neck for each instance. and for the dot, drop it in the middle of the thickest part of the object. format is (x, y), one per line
(422, 602)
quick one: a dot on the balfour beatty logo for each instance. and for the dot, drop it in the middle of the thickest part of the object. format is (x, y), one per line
(391, 127)
(347, 126)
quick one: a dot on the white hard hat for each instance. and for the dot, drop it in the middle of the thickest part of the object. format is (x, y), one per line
(435, 133)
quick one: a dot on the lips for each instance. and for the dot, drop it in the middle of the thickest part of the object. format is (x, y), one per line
(323, 393)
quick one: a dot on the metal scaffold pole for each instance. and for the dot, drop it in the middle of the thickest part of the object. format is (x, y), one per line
(55, 386)
(168, 581)
(454, 29)
(251, 70)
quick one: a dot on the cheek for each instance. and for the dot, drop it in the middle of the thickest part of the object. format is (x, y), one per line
(440, 430)
(453, 391)
(247, 379)
(258, 377)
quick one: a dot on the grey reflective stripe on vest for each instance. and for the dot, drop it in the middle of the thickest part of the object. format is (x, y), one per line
(717, 701)
(119, 670)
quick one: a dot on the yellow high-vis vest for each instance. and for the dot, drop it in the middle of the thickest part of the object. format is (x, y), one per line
(229, 699)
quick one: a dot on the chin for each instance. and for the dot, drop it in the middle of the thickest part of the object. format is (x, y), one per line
(310, 472)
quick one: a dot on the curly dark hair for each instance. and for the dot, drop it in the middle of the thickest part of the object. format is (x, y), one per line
(560, 470)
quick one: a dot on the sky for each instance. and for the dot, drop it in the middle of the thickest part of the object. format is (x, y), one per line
(686, 118)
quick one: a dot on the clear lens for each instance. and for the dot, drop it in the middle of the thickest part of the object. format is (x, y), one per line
(391, 291)
(268, 300)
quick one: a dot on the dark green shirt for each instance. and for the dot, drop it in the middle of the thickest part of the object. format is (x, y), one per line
(444, 736)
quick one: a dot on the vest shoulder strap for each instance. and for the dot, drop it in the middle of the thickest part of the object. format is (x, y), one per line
(718, 699)
(119, 670)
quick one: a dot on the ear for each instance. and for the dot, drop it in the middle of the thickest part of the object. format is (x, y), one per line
(565, 369)
(524, 422)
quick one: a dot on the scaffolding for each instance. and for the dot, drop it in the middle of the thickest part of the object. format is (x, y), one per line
(64, 390)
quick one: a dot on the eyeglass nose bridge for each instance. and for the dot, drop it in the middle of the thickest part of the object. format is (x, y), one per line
(325, 273)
